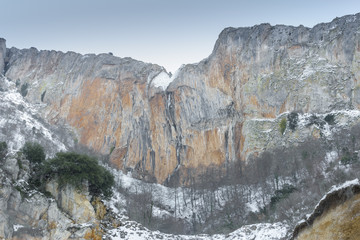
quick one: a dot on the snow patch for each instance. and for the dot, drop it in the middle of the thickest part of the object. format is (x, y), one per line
(17, 227)
(163, 79)
(331, 156)
(344, 185)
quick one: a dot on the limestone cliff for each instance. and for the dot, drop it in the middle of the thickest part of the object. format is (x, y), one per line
(29, 214)
(335, 217)
(221, 110)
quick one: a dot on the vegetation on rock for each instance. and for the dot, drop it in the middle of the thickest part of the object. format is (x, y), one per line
(77, 169)
(34, 152)
(282, 125)
(293, 118)
(68, 168)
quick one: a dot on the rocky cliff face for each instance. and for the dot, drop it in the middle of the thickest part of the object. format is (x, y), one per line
(28, 214)
(2, 55)
(226, 108)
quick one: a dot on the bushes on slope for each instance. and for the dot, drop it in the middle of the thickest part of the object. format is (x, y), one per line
(76, 169)
(67, 168)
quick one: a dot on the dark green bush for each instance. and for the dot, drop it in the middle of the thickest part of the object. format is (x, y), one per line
(77, 169)
(330, 119)
(293, 118)
(281, 194)
(348, 157)
(3, 150)
(34, 152)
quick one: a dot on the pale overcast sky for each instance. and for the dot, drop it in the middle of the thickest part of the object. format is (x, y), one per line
(165, 32)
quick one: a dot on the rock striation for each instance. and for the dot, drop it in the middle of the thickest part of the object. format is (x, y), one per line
(2, 54)
(224, 109)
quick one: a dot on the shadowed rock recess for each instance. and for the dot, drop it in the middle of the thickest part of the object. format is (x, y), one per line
(224, 109)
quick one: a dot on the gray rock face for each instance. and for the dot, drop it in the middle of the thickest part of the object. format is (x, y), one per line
(28, 214)
(76, 204)
(11, 167)
(2, 55)
(209, 114)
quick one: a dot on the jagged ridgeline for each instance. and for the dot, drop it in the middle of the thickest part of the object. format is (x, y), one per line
(257, 132)
(219, 111)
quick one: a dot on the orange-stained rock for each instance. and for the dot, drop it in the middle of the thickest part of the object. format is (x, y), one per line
(221, 110)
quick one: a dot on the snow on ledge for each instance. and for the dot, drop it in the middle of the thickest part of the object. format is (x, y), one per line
(337, 188)
(17, 227)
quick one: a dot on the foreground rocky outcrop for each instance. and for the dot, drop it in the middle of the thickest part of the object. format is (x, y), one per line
(211, 113)
(29, 214)
(335, 217)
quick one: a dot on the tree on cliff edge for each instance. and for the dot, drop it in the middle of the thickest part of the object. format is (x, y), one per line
(76, 169)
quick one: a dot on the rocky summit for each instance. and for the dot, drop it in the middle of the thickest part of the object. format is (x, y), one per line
(277, 105)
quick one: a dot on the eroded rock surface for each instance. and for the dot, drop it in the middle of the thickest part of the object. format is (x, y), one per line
(74, 202)
(210, 112)
(29, 214)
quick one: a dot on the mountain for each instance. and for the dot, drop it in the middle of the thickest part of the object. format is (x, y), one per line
(249, 138)
(222, 110)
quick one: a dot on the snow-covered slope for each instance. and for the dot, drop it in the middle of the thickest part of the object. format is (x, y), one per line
(20, 122)
(263, 231)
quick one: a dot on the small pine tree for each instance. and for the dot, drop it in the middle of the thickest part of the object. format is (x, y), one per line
(34, 152)
(282, 126)
(75, 169)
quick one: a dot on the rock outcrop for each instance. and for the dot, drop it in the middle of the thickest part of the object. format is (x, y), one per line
(29, 214)
(335, 217)
(73, 202)
(210, 115)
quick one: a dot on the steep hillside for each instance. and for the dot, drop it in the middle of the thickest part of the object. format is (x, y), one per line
(20, 122)
(224, 109)
(335, 217)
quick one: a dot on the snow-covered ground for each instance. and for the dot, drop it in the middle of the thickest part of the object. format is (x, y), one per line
(165, 203)
(262, 231)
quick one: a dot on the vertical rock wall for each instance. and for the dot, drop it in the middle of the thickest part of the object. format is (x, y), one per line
(210, 115)
(2, 54)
